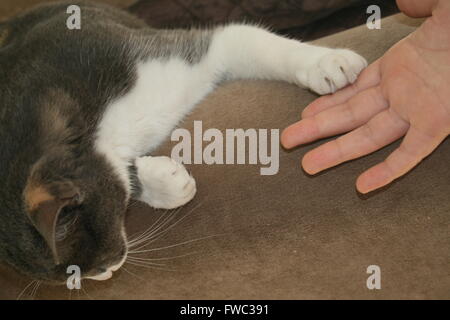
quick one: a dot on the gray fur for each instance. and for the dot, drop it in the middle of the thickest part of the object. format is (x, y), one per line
(55, 84)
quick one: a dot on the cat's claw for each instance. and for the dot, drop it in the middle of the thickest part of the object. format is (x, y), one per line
(333, 71)
(166, 184)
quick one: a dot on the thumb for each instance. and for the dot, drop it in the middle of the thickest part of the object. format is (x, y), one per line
(417, 8)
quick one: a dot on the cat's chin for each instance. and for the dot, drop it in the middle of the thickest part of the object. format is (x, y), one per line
(102, 276)
(109, 272)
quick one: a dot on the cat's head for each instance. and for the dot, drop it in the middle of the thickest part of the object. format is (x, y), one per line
(61, 203)
(70, 215)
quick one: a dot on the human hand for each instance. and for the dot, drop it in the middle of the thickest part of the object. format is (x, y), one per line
(404, 93)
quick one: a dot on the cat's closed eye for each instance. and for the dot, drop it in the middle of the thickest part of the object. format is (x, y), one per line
(67, 221)
(4, 33)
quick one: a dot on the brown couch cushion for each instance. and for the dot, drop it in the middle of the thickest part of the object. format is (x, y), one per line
(289, 236)
(278, 14)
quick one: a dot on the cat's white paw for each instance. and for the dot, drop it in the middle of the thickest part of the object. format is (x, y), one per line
(332, 71)
(165, 183)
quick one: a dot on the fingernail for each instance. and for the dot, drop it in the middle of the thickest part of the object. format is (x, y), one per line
(364, 187)
(309, 169)
(285, 140)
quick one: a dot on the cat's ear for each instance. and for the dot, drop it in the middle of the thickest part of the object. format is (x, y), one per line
(44, 202)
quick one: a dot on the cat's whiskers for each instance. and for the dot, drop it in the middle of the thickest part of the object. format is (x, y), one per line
(149, 266)
(152, 232)
(158, 229)
(85, 292)
(33, 282)
(35, 289)
(158, 234)
(164, 258)
(157, 225)
(173, 245)
(146, 262)
(133, 274)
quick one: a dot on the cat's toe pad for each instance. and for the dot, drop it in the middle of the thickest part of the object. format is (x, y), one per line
(165, 183)
(334, 70)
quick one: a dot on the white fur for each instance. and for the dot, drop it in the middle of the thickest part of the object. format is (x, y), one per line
(138, 122)
(109, 272)
(166, 183)
(166, 90)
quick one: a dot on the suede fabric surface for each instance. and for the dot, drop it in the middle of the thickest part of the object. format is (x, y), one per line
(290, 235)
(301, 19)
(279, 14)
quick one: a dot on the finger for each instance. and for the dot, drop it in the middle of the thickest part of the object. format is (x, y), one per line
(417, 8)
(415, 147)
(381, 130)
(339, 119)
(369, 77)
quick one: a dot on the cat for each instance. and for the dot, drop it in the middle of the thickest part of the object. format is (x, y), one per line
(81, 110)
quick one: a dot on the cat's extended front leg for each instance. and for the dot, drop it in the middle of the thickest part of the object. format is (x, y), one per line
(242, 51)
(164, 183)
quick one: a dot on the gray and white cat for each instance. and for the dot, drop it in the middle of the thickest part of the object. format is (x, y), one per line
(80, 110)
